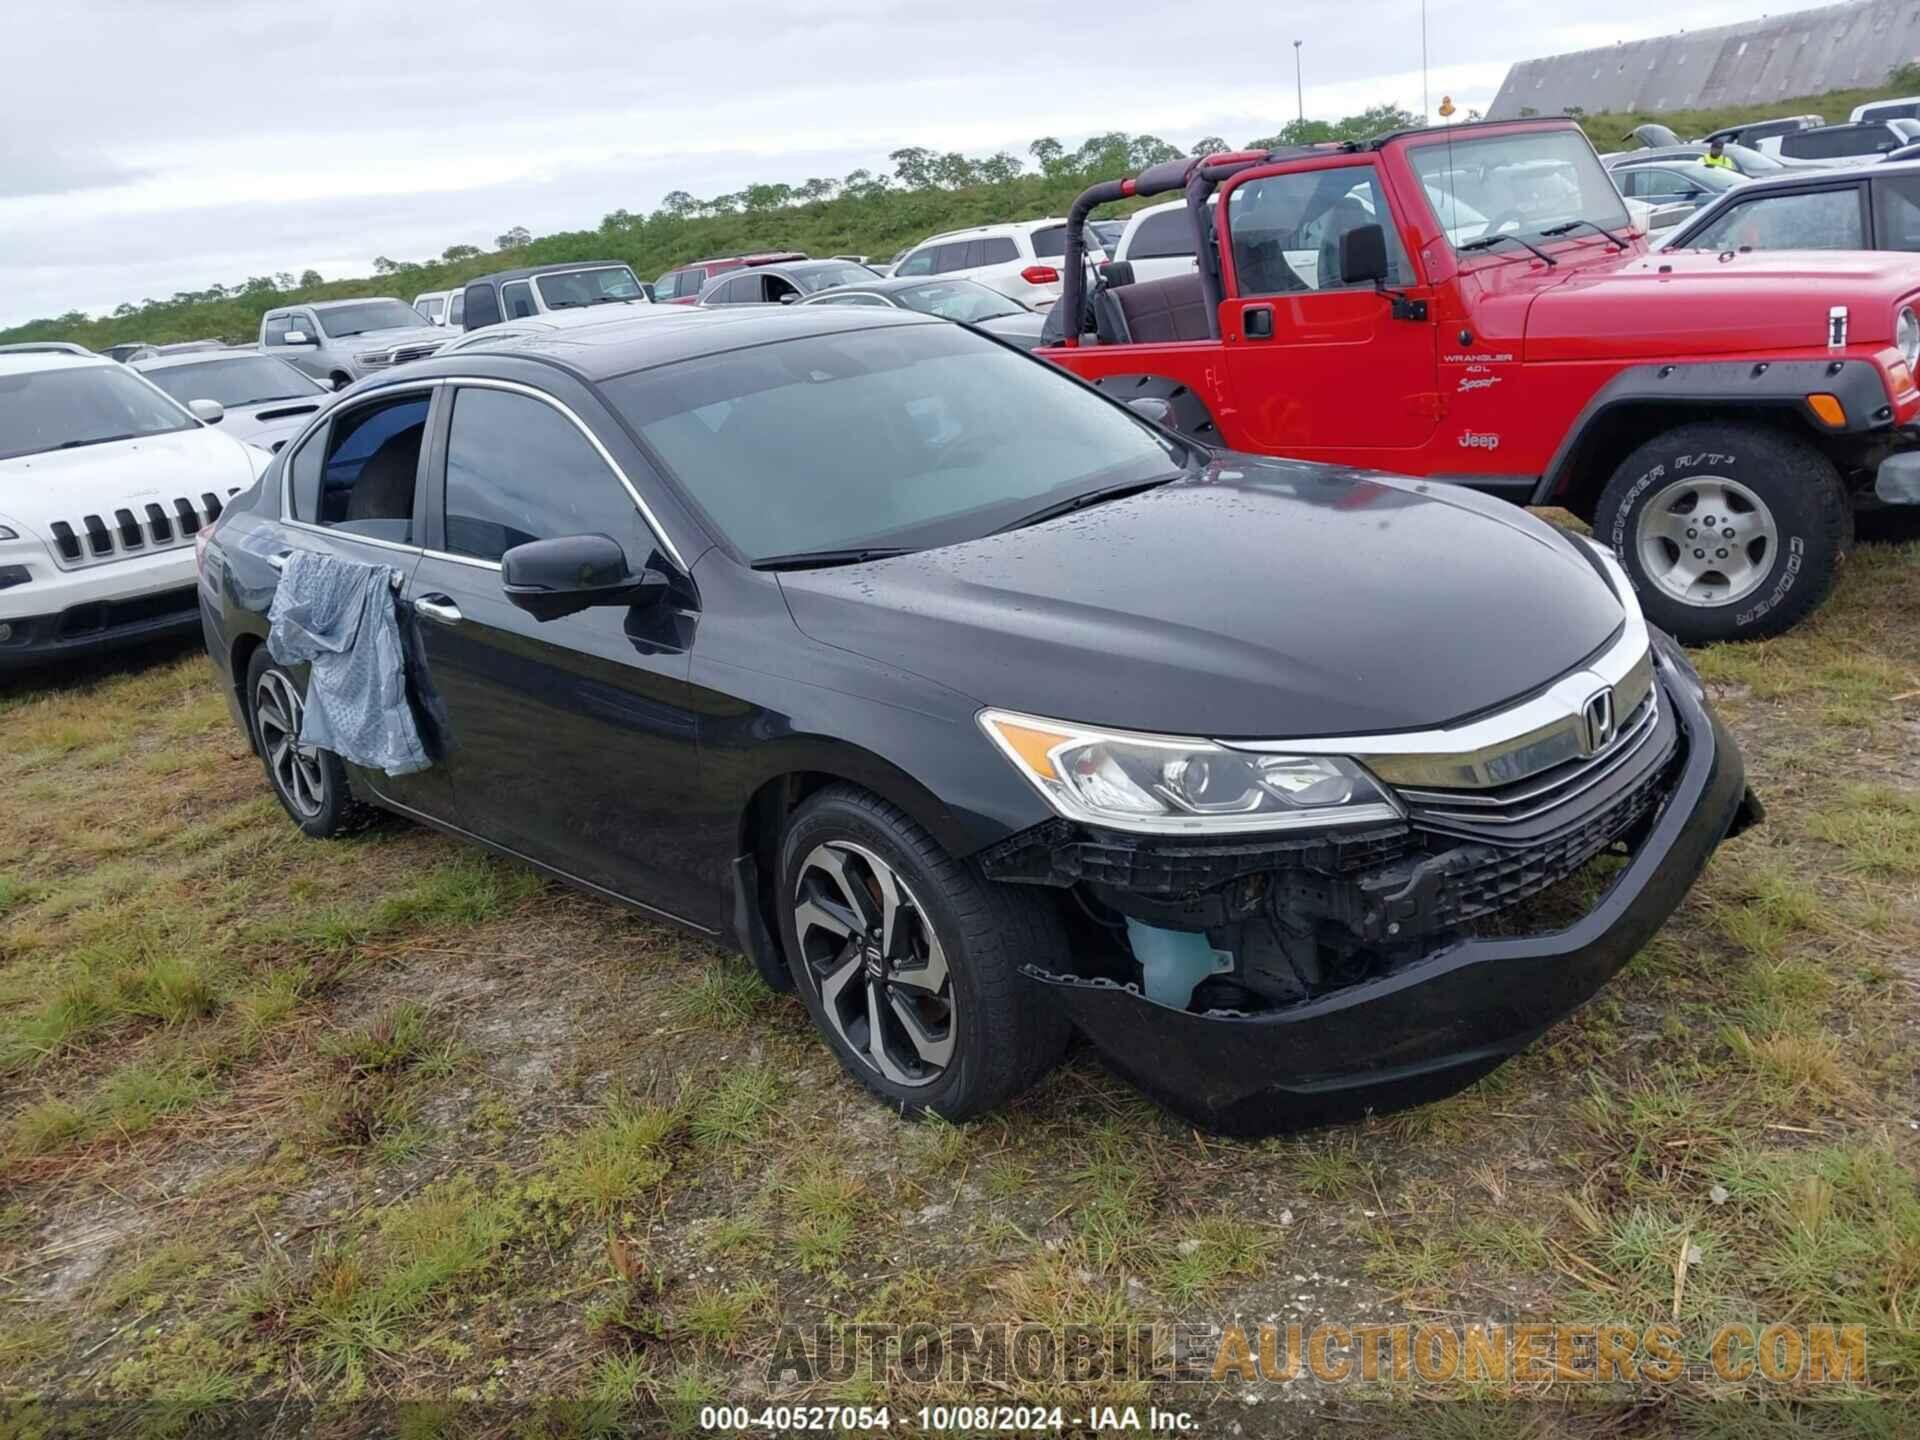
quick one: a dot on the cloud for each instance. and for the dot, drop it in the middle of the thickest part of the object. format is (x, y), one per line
(30, 169)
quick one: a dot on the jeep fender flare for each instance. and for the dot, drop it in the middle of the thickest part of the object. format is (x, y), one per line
(1191, 417)
(1702, 389)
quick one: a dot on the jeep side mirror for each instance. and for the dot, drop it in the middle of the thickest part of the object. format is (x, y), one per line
(1363, 256)
(552, 578)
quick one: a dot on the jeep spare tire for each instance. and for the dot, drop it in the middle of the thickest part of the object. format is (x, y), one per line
(1729, 532)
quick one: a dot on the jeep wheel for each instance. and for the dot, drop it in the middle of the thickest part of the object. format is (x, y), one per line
(909, 960)
(1729, 532)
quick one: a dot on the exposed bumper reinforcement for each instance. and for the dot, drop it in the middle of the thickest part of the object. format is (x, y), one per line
(1433, 1026)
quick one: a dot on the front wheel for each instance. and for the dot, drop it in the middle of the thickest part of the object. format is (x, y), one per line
(1729, 532)
(909, 960)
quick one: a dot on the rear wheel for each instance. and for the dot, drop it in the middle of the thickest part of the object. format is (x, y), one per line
(1729, 532)
(310, 783)
(909, 960)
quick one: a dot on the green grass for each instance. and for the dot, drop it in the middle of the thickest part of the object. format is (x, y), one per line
(612, 1162)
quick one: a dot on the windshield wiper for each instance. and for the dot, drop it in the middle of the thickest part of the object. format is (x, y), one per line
(1089, 497)
(1486, 240)
(821, 559)
(96, 440)
(1572, 225)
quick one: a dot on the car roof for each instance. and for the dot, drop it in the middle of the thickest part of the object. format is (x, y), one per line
(688, 332)
(200, 357)
(888, 284)
(559, 267)
(26, 362)
(1836, 177)
(337, 304)
(995, 229)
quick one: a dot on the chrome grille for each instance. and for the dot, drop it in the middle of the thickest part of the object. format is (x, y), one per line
(125, 531)
(1538, 794)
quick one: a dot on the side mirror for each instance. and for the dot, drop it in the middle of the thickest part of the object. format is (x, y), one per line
(1363, 256)
(297, 337)
(212, 412)
(1152, 407)
(1116, 272)
(792, 297)
(552, 578)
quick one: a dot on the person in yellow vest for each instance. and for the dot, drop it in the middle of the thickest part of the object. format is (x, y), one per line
(1717, 156)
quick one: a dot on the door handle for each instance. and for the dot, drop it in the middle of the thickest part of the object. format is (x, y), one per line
(438, 608)
(1257, 322)
(279, 561)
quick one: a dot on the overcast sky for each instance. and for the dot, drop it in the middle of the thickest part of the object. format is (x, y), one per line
(149, 146)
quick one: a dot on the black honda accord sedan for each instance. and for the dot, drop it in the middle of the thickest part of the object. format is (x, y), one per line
(978, 708)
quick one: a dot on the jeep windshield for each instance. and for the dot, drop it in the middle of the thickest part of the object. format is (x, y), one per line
(368, 315)
(824, 449)
(571, 289)
(1522, 184)
(243, 380)
(65, 409)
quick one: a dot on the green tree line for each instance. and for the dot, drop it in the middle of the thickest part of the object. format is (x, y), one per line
(868, 212)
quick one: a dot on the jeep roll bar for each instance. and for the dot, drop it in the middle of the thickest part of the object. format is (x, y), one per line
(1197, 177)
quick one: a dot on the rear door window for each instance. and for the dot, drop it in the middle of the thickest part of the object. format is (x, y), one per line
(1162, 236)
(1821, 220)
(358, 474)
(951, 256)
(997, 250)
(516, 296)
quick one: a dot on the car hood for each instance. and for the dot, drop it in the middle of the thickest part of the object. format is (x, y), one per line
(386, 339)
(272, 421)
(98, 479)
(1022, 329)
(1260, 598)
(1696, 302)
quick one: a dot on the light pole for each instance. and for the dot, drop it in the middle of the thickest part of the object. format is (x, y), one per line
(1299, 95)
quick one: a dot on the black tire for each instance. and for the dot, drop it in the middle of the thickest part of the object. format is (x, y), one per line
(1191, 417)
(340, 379)
(1006, 1032)
(323, 806)
(1797, 492)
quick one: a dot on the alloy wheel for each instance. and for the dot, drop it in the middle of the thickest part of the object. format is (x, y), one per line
(875, 963)
(295, 768)
(1707, 540)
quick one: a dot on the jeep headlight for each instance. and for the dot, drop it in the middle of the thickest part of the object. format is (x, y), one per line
(1172, 785)
(1906, 334)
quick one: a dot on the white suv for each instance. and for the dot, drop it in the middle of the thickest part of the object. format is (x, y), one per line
(105, 480)
(1021, 260)
(1158, 241)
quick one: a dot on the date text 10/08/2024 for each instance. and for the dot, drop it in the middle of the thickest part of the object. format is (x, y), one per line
(941, 1418)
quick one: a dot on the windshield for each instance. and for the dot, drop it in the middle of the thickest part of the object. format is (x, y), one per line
(824, 277)
(367, 315)
(905, 435)
(966, 300)
(244, 380)
(1521, 184)
(608, 285)
(85, 405)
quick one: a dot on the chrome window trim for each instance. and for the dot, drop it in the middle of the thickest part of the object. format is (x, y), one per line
(474, 560)
(606, 456)
(1458, 757)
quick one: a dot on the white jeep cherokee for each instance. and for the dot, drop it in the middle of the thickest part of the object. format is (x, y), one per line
(105, 480)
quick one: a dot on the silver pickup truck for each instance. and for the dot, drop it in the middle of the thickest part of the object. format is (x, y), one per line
(339, 341)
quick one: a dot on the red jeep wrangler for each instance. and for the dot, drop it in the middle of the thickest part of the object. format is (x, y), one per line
(1472, 304)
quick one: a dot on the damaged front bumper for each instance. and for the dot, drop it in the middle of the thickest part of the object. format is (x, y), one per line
(1441, 1020)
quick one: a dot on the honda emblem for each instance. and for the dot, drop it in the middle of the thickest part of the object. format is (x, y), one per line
(1598, 714)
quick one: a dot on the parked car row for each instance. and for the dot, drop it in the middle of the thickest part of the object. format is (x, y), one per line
(811, 618)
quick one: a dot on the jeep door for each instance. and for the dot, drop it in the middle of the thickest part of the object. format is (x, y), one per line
(1321, 368)
(570, 741)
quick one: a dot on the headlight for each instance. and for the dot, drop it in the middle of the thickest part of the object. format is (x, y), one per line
(1906, 334)
(1167, 785)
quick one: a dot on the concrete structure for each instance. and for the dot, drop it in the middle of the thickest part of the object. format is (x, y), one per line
(1807, 52)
